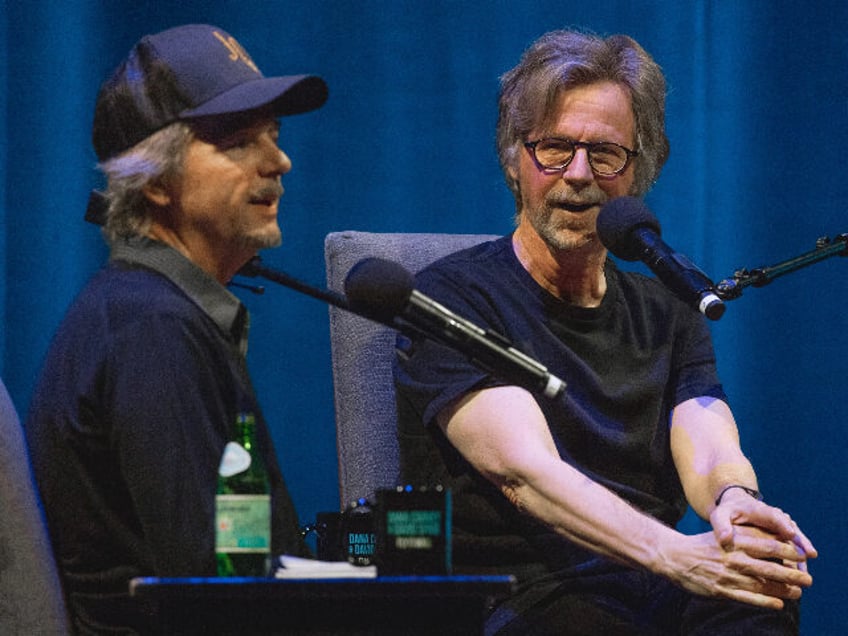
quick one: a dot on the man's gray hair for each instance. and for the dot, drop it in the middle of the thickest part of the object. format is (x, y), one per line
(159, 158)
(560, 60)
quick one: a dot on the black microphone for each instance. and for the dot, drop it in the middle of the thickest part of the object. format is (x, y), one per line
(628, 229)
(384, 291)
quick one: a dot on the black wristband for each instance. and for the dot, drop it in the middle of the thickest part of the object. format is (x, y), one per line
(756, 494)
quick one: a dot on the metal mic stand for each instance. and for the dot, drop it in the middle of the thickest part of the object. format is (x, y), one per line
(254, 267)
(731, 288)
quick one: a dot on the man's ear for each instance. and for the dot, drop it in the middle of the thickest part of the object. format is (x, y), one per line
(157, 194)
(515, 185)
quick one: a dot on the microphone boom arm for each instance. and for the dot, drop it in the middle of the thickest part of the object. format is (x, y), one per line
(462, 333)
(731, 288)
(254, 268)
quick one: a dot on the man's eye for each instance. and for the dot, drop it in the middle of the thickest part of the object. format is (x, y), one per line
(556, 146)
(557, 149)
(236, 141)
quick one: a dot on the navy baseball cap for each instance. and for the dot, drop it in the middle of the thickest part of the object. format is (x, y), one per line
(185, 73)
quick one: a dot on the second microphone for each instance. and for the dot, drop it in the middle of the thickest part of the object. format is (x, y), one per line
(384, 291)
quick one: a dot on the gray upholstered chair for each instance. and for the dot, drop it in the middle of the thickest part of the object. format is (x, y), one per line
(362, 353)
(31, 600)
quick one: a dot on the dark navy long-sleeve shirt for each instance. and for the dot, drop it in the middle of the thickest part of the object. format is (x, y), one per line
(139, 392)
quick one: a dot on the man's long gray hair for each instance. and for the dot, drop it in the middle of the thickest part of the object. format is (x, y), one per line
(157, 158)
(560, 60)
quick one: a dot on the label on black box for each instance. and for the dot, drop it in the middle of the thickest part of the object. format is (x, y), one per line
(413, 531)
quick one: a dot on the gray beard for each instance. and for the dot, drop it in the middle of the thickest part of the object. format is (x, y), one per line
(262, 241)
(560, 234)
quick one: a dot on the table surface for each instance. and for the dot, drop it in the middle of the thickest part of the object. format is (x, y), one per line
(381, 586)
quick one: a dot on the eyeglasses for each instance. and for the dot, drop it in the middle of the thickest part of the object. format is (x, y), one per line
(552, 155)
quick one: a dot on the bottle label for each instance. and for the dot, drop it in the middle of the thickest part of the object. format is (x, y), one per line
(243, 523)
(235, 460)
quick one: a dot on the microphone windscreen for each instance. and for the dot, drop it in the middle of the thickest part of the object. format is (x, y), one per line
(378, 288)
(617, 221)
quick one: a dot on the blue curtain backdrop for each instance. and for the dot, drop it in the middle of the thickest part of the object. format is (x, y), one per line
(758, 121)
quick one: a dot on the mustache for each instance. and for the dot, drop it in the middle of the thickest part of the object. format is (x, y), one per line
(586, 197)
(575, 202)
(268, 191)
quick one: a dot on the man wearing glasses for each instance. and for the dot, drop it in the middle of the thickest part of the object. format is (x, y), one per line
(578, 496)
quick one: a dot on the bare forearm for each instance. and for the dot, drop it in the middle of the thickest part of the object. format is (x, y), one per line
(504, 435)
(589, 515)
(706, 451)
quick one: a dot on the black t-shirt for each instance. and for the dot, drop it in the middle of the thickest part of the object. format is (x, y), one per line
(626, 365)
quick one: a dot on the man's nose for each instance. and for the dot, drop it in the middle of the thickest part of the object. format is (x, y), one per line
(579, 168)
(274, 160)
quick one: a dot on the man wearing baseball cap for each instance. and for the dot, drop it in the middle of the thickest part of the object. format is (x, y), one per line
(146, 377)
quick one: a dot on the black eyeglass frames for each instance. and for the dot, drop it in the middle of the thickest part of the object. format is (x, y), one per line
(553, 154)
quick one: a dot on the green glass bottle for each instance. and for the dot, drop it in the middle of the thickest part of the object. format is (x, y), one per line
(243, 506)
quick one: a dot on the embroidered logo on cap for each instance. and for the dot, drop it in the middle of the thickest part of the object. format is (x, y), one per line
(236, 50)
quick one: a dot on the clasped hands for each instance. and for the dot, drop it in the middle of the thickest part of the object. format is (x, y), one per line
(765, 553)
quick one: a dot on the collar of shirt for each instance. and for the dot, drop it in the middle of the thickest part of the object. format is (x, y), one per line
(214, 299)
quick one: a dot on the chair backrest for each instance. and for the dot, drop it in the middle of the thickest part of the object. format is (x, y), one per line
(31, 600)
(362, 352)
